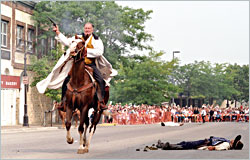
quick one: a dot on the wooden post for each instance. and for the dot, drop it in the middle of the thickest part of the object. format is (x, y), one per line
(51, 118)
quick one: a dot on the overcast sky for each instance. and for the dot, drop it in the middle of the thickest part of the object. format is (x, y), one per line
(211, 31)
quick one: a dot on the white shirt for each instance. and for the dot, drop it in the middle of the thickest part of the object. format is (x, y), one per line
(203, 112)
(219, 147)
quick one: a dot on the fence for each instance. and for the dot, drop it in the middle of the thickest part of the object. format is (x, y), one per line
(133, 119)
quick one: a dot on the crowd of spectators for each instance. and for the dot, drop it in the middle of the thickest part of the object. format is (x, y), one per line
(148, 114)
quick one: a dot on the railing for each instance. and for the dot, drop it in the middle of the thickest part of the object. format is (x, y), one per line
(134, 119)
(47, 113)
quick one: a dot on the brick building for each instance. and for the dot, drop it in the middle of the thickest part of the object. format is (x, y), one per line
(18, 28)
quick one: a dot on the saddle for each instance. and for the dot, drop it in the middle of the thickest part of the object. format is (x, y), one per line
(89, 70)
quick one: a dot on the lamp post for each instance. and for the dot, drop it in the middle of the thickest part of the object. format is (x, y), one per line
(172, 77)
(25, 80)
(175, 52)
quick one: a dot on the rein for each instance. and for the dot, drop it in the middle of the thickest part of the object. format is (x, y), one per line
(70, 57)
(78, 90)
(81, 57)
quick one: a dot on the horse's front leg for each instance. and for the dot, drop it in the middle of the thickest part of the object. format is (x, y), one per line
(85, 131)
(70, 139)
(81, 129)
(75, 118)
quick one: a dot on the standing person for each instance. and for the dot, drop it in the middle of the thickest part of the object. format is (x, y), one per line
(173, 111)
(211, 115)
(203, 114)
(102, 69)
(196, 112)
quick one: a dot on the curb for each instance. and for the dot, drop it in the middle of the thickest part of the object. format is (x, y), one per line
(107, 124)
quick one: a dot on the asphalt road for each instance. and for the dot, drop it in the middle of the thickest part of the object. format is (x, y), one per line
(121, 142)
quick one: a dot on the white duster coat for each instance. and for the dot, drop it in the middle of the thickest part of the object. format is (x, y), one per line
(55, 79)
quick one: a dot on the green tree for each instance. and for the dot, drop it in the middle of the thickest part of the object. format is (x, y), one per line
(42, 67)
(120, 28)
(202, 80)
(240, 77)
(145, 79)
(196, 79)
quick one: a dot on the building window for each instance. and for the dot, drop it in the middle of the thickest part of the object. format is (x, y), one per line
(30, 45)
(4, 26)
(19, 37)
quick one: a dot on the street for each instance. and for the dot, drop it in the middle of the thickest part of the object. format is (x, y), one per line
(120, 142)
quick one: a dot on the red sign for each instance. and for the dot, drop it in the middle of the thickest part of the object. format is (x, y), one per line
(10, 81)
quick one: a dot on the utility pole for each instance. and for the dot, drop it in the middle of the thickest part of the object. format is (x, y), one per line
(25, 79)
(172, 77)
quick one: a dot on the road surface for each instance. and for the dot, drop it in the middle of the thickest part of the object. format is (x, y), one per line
(121, 142)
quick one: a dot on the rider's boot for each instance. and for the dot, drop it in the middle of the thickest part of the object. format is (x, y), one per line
(106, 95)
(103, 105)
(101, 101)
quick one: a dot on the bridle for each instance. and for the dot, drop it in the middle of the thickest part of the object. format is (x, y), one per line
(74, 54)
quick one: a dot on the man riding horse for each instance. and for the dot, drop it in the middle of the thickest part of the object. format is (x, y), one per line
(102, 69)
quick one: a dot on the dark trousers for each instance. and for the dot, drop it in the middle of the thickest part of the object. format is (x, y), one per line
(203, 119)
(211, 118)
(97, 76)
(191, 144)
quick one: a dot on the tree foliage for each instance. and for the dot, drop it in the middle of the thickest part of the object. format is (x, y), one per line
(141, 79)
(120, 28)
(218, 81)
(42, 67)
(144, 80)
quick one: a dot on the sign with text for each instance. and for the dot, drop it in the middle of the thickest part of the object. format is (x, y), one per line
(10, 81)
(25, 80)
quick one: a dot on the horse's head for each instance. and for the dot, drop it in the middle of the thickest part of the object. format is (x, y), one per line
(77, 48)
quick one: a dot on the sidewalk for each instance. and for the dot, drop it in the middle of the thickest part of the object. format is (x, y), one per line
(21, 128)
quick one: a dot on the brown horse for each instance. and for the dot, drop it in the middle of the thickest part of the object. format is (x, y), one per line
(80, 95)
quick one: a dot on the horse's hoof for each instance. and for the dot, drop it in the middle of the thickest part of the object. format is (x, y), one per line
(82, 151)
(70, 141)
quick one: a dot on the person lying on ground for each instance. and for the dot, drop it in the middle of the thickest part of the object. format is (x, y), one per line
(212, 143)
(171, 124)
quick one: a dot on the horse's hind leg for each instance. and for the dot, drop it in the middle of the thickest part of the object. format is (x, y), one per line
(70, 139)
(97, 116)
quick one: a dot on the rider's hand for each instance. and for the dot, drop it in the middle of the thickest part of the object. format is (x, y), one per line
(56, 29)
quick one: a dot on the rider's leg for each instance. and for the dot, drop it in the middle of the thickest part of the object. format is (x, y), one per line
(101, 89)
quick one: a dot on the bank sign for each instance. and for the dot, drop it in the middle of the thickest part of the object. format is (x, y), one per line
(10, 82)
